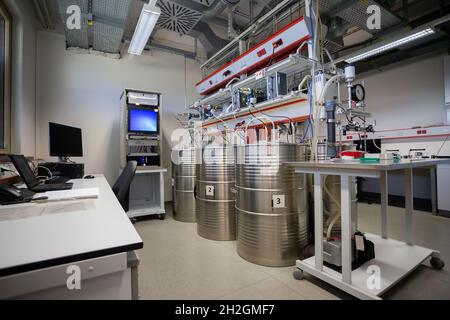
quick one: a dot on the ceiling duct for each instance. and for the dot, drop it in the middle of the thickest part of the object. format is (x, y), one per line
(207, 3)
(76, 38)
(335, 31)
(219, 7)
(355, 13)
(209, 40)
(103, 24)
(187, 17)
(109, 24)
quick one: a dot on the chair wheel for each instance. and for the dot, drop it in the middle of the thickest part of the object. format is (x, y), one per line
(298, 274)
(437, 263)
(162, 216)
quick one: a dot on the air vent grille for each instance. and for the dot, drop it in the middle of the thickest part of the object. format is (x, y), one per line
(177, 18)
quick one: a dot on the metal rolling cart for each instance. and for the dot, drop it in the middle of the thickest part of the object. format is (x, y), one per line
(394, 259)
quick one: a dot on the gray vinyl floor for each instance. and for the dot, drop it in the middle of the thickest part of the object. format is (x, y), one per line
(178, 264)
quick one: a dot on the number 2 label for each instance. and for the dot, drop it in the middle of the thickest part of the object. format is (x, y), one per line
(210, 191)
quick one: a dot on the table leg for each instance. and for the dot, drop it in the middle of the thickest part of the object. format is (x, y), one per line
(433, 191)
(346, 220)
(384, 203)
(409, 205)
(318, 221)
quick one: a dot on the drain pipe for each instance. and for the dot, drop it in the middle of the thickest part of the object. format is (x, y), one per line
(330, 107)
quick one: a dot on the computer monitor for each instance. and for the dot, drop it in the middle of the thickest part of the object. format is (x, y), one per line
(143, 120)
(65, 141)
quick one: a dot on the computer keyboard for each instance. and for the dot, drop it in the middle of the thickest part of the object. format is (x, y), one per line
(57, 180)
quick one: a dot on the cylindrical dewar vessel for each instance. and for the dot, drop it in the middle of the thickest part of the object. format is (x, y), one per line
(216, 215)
(271, 204)
(184, 173)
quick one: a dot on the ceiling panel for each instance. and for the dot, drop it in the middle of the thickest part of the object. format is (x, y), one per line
(77, 37)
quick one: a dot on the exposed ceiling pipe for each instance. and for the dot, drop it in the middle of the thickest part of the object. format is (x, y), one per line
(41, 8)
(232, 33)
(40, 14)
(209, 40)
(47, 15)
(249, 30)
(218, 8)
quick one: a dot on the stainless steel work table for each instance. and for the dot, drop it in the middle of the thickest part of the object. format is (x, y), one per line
(394, 259)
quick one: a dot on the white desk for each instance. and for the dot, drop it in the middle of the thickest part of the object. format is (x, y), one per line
(394, 259)
(39, 241)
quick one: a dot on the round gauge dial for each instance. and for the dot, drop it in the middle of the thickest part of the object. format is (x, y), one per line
(358, 93)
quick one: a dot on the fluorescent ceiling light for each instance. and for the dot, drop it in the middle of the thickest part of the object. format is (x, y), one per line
(144, 28)
(391, 45)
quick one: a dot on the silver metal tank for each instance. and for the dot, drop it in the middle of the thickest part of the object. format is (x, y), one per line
(271, 204)
(216, 215)
(184, 173)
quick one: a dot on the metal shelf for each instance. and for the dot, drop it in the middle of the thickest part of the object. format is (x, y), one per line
(257, 107)
(294, 63)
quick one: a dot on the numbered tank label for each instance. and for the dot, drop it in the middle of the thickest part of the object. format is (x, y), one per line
(173, 182)
(279, 201)
(210, 191)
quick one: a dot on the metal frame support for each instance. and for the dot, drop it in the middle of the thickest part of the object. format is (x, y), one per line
(384, 203)
(312, 52)
(434, 209)
(409, 206)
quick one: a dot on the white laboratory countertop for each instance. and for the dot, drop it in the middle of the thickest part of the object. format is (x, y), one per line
(380, 166)
(35, 236)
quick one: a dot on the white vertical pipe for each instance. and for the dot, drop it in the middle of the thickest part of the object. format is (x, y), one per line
(346, 221)
(318, 221)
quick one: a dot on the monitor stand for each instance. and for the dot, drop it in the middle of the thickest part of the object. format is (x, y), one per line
(64, 160)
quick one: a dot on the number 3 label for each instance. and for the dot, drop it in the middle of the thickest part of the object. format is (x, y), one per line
(210, 191)
(279, 201)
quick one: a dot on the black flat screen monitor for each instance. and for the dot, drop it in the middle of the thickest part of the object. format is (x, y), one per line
(142, 120)
(65, 141)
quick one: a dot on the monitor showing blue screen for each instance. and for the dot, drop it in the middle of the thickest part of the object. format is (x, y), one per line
(143, 120)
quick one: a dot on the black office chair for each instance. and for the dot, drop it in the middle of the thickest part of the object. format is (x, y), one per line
(122, 186)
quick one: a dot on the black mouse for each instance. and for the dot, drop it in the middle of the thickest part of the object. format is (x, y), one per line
(89, 177)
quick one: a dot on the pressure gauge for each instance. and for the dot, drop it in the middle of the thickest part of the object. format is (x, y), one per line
(358, 93)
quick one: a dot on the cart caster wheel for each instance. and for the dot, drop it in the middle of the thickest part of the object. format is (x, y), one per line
(437, 263)
(161, 216)
(298, 274)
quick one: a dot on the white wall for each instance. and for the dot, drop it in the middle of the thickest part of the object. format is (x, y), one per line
(84, 90)
(23, 102)
(408, 95)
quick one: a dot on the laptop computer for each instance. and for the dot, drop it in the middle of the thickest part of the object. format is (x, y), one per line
(33, 184)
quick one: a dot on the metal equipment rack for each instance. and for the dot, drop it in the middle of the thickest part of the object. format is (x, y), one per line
(394, 259)
(295, 63)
